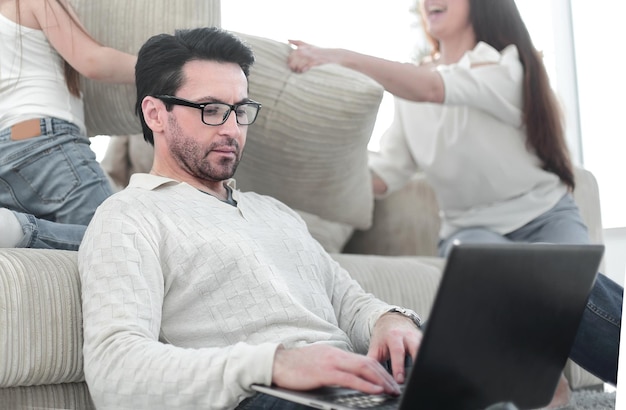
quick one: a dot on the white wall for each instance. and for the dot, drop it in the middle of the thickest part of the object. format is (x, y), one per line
(388, 31)
(599, 34)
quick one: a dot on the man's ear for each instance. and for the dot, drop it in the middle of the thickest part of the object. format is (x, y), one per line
(154, 113)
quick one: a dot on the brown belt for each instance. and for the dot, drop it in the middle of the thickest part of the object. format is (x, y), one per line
(26, 129)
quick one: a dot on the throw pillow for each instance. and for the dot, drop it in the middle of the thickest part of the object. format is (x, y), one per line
(331, 235)
(308, 148)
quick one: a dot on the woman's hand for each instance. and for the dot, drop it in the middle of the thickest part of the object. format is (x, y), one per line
(404, 80)
(305, 56)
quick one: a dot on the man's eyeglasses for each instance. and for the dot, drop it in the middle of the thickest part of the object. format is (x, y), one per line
(215, 113)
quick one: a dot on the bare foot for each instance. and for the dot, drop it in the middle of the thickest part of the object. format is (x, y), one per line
(562, 394)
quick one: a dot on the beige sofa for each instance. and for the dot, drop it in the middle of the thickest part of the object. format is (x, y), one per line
(308, 148)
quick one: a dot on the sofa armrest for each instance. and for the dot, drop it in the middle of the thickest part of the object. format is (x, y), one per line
(48, 396)
(40, 314)
(406, 222)
(587, 197)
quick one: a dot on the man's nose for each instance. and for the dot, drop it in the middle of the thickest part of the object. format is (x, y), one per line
(231, 121)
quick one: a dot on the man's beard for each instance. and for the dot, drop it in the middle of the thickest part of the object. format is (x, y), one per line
(193, 158)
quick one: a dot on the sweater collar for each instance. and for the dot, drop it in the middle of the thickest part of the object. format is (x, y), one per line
(152, 182)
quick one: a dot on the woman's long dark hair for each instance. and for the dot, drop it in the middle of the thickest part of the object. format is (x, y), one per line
(72, 77)
(499, 24)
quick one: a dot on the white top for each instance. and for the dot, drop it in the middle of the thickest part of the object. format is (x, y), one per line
(472, 148)
(185, 297)
(32, 83)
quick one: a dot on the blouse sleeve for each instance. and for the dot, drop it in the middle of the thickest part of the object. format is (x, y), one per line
(394, 163)
(487, 80)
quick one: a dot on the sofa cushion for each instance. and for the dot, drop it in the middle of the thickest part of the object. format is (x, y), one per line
(308, 148)
(126, 25)
(40, 316)
(406, 281)
(40, 306)
(331, 235)
(412, 282)
(47, 397)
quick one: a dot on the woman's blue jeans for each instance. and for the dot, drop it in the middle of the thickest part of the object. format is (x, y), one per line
(596, 347)
(53, 183)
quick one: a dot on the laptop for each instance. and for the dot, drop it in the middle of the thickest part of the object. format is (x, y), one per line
(500, 330)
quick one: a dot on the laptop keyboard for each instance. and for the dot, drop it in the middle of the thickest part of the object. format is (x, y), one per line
(367, 401)
(360, 400)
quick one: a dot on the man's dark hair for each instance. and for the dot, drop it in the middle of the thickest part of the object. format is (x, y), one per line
(160, 61)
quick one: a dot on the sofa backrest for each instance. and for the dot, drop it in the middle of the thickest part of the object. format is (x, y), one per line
(40, 318)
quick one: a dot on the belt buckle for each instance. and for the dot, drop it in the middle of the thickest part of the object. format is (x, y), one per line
(26, 129)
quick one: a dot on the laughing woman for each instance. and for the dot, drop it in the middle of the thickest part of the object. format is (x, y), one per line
(479, 119)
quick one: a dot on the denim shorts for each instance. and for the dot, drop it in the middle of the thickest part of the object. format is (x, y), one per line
(54, 176)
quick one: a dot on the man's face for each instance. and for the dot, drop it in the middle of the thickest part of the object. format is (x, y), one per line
(204, 152)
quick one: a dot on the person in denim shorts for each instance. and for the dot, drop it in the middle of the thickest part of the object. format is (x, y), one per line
(50, 181)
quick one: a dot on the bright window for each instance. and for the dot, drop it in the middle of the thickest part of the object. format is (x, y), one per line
(599, 35)
(387, 32)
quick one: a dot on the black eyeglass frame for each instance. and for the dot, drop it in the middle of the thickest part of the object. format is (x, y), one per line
(170, 99)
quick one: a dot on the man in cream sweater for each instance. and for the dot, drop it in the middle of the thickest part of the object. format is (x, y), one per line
(194, 291)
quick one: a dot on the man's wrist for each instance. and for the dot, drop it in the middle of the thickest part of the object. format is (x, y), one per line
(408, 314)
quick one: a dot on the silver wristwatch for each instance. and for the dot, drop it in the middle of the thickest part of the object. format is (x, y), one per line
(408, 313)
